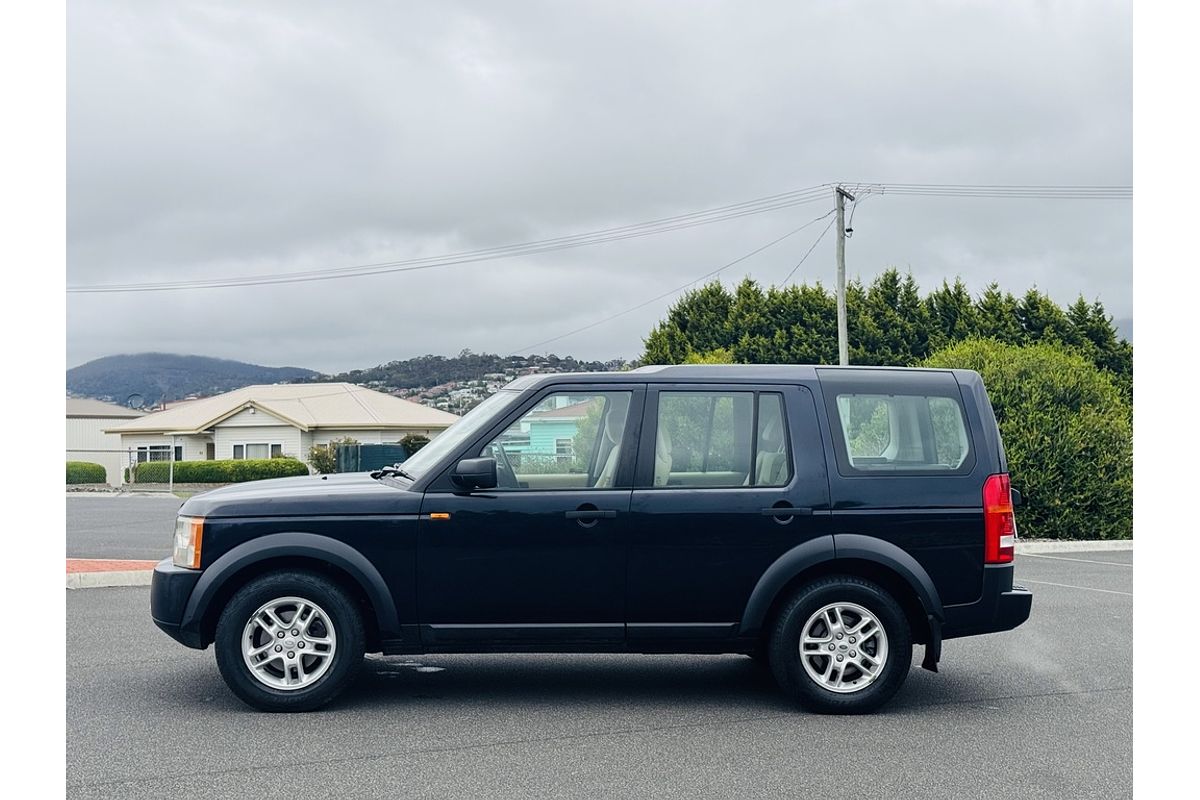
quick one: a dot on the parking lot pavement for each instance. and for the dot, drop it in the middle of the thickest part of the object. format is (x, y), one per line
(1042, 711)
(122, 526)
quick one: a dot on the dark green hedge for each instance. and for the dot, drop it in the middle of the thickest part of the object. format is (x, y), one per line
(232, 471)
(1068, 435)
(85, 472)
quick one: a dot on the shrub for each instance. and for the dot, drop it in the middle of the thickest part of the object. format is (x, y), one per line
(1068, 436)
(85, 472)
(230, 471)
(323, 457)
(413, 442)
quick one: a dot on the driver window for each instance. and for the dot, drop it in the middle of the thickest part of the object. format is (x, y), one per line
(567, 441)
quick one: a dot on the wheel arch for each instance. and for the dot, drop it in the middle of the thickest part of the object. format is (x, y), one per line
(331, 558)
(860, 556)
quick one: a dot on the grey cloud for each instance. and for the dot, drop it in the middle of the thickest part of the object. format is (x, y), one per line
(214, 139)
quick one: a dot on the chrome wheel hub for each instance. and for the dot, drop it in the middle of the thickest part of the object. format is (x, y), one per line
(289, 643)
(843, 647)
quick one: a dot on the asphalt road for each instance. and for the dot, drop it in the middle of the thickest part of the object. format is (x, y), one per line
(120, 526)
(1040, 712)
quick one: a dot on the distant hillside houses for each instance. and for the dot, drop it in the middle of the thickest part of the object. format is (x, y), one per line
(458, 397)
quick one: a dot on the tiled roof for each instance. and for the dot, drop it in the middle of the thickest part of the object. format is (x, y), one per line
(304, 405)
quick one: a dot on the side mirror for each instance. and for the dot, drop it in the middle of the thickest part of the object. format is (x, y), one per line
(475, 473)
(1016, 498)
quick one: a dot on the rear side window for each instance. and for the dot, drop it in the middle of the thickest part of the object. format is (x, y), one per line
(903, 432)
(721, 440)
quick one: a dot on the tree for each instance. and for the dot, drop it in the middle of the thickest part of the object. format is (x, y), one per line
(996, 316)
(952, 314)
(888, 322)
(1068, 436)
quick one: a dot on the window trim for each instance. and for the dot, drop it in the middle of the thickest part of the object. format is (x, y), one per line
(647, 452)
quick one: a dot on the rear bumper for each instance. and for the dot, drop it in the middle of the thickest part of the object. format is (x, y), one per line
(1001, 606)
(170, 589)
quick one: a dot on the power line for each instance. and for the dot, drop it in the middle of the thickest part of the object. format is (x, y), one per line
(808, 252)
(677, 289)
(761, 205)
(1018, 191)
(636, 230)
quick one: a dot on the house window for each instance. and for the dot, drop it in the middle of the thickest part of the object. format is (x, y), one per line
(563, 448)
(157, 452)
(257, 450)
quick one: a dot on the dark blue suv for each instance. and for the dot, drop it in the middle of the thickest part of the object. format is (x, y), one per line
(822, 520)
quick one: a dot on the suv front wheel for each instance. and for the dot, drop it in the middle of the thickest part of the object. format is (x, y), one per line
(289, 641)
(841, 645)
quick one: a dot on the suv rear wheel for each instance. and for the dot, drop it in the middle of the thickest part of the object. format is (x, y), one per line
(289, 641)
(841, 645)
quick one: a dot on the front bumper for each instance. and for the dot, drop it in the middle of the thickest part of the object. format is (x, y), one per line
(170, 590)
(1001, 607)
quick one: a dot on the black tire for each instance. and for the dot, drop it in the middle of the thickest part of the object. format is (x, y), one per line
(345, 618)
(788, 668)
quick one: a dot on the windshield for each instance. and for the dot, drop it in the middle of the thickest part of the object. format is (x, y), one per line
(442, 445)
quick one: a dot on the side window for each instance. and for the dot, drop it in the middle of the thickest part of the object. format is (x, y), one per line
(566, 441)
(896, 432)
(716, 440)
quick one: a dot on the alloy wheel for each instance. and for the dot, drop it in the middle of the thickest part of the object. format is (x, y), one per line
(843, 647)
(289, 643)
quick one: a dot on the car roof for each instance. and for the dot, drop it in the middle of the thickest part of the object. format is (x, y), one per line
(700, 373)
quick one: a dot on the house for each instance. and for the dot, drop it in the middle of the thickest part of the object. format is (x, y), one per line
(548, 432)
(276, 420)
(87, 439)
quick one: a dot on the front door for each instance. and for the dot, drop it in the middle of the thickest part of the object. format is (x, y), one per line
(539, 561)
(729, 479)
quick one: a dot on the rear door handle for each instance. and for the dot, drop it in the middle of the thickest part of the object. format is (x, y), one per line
(591, 514)
(788, 511)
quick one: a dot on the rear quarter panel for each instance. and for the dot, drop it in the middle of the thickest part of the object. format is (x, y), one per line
(936, 518)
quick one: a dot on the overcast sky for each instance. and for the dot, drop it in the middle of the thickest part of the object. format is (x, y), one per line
(223, 139)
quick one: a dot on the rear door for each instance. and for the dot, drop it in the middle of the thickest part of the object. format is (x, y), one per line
(729, 478)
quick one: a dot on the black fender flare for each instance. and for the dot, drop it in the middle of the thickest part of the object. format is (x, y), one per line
(868, 548)
(304, 545)
(787, 566)
(838, 547)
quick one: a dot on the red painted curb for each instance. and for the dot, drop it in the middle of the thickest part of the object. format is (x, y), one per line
(106, 565)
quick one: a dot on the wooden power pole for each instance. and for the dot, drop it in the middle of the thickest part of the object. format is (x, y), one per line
(843, 345)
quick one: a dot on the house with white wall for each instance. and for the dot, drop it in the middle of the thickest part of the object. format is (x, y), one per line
(88, 439)
(277, 420)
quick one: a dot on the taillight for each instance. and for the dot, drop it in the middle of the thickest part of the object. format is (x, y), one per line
(999, 524)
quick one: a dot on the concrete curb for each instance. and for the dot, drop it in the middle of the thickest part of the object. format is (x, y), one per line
(97, 580)
(1073, 547)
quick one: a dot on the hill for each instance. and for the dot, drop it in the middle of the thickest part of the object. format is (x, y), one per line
(160, 377)
(430, 370)
(457, 383)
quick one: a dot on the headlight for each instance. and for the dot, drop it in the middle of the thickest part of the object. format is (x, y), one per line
(188, 533)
